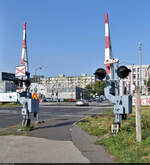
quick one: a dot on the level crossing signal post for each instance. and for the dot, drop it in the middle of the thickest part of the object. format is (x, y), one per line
(30, 103)
(113, 73)
(122, 104)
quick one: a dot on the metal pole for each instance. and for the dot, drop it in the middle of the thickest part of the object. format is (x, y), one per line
(35, 81)
(36, 76)
(35, 89)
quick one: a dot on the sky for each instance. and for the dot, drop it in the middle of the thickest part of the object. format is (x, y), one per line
(67, 36)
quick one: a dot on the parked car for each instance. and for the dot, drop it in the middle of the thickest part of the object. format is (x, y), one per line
(49, 99)
(90, 99)
(98, 100)
(103, 97)
(82, 102)
(44, 100)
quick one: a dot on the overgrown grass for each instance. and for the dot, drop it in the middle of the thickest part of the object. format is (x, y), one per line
(5, 105)
(16, 130)
(98, 125)
(122, 145)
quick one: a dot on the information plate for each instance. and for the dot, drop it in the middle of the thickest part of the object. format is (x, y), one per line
(8, 76)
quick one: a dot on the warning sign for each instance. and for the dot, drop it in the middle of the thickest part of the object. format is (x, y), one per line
(20, 71)
(34, 96)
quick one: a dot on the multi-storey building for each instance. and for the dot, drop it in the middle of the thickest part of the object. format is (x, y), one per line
(67, 81)
(137, 77)
(49, 86)
(6, 86)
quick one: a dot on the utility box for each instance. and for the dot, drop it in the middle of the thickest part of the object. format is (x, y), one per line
(23, 111)
(123, 104)
(127, 103)
(33, 105)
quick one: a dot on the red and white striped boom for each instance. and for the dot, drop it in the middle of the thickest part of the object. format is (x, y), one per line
(108, 50)
(24, 57)
(109, 60)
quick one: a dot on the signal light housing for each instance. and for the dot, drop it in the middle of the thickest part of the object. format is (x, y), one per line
(27, 82)
(16, 81)
(100, 73)
(123, 72)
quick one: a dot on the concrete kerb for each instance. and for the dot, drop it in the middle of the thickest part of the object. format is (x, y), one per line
(77, 122)
(85, 143)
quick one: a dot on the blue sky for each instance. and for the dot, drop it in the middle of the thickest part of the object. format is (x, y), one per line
(68, 35)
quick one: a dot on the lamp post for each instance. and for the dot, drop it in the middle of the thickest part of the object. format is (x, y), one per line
(35, 85)
(35, 80)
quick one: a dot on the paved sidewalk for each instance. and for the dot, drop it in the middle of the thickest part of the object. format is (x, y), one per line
(29, 149)
(85, 143)
(23, 149)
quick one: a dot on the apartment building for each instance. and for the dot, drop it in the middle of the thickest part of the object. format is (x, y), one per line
(49, 86)
(67, 81)
(137, 77)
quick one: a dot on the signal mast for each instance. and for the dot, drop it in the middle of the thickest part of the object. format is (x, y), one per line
(113, 73)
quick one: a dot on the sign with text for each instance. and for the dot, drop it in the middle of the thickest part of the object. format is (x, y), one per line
(8, 76)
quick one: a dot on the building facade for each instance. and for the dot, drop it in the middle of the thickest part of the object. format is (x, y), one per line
(65, 86)
(67, 81)
(7, 86)
(137, 77)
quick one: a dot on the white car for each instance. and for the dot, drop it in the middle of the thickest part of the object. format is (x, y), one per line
(82, 102)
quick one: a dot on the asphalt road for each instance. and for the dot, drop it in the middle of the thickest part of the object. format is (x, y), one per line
(60, 118)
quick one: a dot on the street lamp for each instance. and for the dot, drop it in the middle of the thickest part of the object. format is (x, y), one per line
(35, 85)
(35, 80)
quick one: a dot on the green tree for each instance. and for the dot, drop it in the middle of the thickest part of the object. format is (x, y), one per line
(97, 87)
(90, 88)
(148, 83)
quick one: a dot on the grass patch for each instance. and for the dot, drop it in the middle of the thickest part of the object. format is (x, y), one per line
(123, 145)
(97, 125)
(6, 105)
(16, 130)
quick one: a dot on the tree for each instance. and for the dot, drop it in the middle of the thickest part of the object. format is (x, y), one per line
(41, 96)
(148, 83)
(90, 88)
(97, 87)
